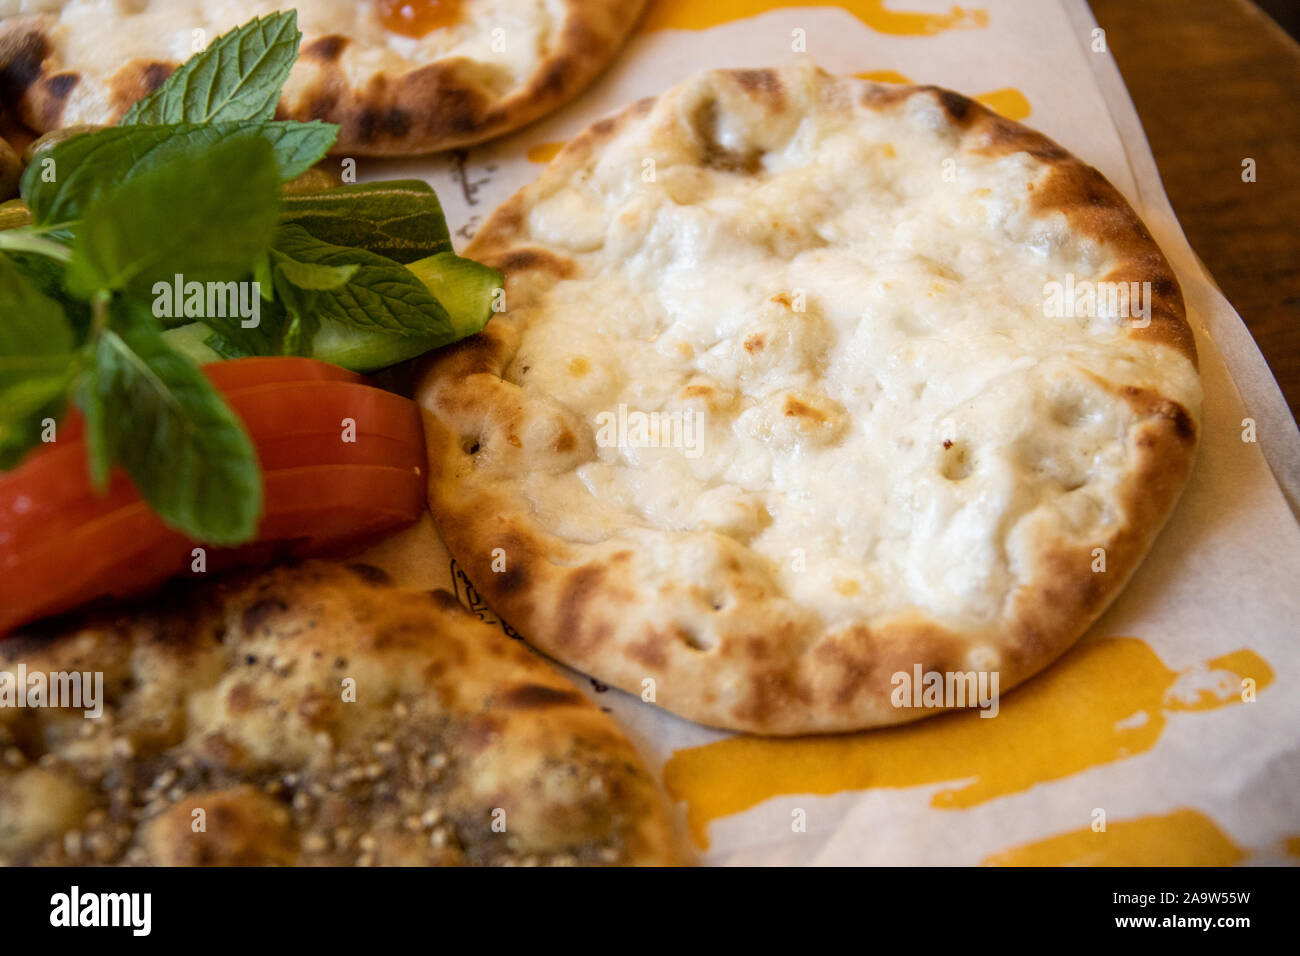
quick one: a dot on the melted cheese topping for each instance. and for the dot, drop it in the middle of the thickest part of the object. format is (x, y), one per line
(856, 309)
(96, 37)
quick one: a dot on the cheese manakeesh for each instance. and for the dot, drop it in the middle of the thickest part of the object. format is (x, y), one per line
(857, 310)
(506, 39)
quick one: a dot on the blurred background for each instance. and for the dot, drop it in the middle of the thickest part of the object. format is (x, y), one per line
(1217, 82)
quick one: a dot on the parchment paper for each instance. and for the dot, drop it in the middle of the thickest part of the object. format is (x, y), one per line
(1144, 722)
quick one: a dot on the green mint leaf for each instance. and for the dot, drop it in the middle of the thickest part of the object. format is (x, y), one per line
(381, 296)
(238, 77)
(152, 410)
(235, 341)
(313, 276)
(180, 218)
(47, 275)
(401, 219)
(86, 396)
(20, 432)
(34, 324)
(36, 360)
(85, 167)
(225, 349)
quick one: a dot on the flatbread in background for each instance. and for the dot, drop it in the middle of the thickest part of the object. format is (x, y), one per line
(452, 744)
(399, 76)
(866, 445)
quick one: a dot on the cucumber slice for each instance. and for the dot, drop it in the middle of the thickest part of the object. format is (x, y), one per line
(465, 288)
(189, 340)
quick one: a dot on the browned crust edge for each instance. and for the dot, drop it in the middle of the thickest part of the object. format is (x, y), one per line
(571, 606)
(434, 107)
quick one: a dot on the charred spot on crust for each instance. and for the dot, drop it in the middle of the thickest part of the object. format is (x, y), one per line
(515, 578)
(480, 732)
(761, 84)
(853, 673)
(771, 691)
(1005, 136)
(521, 260)
(321, 105)
(256, 615)
(704, 123)
(797, 408)
(539, 697)
(649, 652)
(369, 573)
(1184, 427)
(958, 107)
(61, 84)
(155, 75)
(556, 78)
(566, 442)
(325, 49)
(379, 123)
(137, 79)
(444, 599)
(881, 95)
(458, 110)
(21, 56)
(582, 587)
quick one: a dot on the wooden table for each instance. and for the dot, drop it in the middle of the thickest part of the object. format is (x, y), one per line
(1216, 82)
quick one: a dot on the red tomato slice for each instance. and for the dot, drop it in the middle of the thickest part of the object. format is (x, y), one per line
(51, 491)
(252, 372)
(245, 373)
(61, 544)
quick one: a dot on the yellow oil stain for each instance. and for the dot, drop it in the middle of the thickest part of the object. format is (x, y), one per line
(544, 152)
(694, 15)
(1181, 838)
(882, 76)
(1292, 846)
(1106, 700)
(1009, 102)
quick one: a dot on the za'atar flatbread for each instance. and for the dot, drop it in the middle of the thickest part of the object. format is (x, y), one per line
(309, 715)
(399, 76)
(904, 416)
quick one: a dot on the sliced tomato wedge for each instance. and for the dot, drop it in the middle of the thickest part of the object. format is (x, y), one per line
(252, 372)
(247, 373)
(341, 461)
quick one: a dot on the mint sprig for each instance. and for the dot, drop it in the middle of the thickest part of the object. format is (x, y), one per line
(238, 77)
(213, 233)
(188, 185)
(186, 450)
(86, 166)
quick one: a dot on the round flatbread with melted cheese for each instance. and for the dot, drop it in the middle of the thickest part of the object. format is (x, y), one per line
(398, 76)
(309, 715)
(805, 383)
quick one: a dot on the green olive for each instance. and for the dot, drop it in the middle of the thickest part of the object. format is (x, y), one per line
(311, 181)
(11, 168)
(53, 138)
(14, 213)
